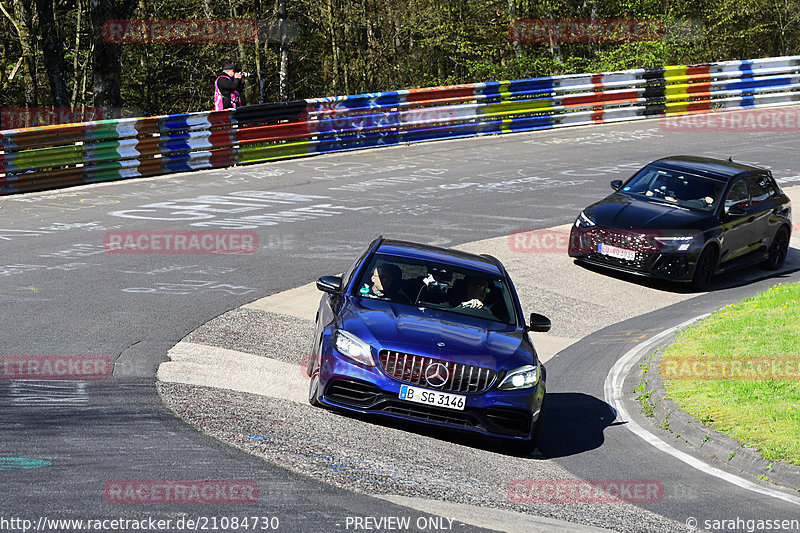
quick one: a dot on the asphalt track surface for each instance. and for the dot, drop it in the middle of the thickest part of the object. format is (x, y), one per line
(63, 294)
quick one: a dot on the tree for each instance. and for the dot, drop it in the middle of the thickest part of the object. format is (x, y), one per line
(20, 16)
(350, 46)
(106, 56)
(53, 53)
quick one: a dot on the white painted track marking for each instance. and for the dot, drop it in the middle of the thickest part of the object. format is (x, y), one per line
(613, 395)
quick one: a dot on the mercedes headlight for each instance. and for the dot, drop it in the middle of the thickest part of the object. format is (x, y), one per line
(523, 377)
(584, 221)
(351, 346)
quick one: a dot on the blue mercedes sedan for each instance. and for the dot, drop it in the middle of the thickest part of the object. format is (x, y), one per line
(429, 335)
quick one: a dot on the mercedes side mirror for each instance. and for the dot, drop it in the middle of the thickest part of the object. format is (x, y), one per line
(539, 323)
(331, 284)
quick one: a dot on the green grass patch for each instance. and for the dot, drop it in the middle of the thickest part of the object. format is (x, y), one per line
(644, 401)
(737, 372)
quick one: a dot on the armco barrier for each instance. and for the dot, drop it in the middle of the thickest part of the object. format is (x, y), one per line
(58, 156)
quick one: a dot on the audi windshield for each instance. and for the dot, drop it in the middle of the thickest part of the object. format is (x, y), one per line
(676, 188)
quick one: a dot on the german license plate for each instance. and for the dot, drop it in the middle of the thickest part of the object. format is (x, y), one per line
(431, 397)
(619, 253)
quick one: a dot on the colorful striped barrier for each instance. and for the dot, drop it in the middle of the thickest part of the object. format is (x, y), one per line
(59, 156)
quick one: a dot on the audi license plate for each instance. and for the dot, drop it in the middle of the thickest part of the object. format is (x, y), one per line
(619, 253)
(431, 397)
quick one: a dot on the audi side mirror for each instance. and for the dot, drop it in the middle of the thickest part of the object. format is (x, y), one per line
(735, 211)
(616, 185)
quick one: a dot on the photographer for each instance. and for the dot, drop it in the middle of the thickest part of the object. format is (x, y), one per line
(228, 88)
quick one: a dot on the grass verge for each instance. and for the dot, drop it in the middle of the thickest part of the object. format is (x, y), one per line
(738, 372)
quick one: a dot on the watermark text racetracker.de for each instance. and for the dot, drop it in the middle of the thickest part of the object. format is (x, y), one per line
(180, 31)
(27, 117)
(562, 240)
(586, 490)
(181, 242)
(756, 369)
(180, 492)
(767, 120)
(55, 367)
(539, 241)
(149, 523)
(567, 30)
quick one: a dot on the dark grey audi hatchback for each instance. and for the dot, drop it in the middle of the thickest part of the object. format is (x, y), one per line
(686, 218)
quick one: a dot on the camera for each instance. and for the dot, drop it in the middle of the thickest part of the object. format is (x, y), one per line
(246, 74)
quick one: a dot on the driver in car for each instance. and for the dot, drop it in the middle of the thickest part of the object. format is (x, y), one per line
(477, 289)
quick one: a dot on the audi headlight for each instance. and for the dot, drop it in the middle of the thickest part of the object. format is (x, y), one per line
(351, 346)
(676, 242)
(584, 221)
(523, 377)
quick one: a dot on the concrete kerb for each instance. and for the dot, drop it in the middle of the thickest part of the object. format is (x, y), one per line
(544, 292)
(667, 415)
(670, 417)
(217, 367)
(491, 518)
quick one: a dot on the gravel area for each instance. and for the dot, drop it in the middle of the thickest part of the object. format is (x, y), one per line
(392, 458)
(567, 314)
(377, 458)
(571, 295)
(395, 459)
(281, 337)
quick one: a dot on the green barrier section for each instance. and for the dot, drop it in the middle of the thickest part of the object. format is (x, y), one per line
(252, 154)
(52, 156)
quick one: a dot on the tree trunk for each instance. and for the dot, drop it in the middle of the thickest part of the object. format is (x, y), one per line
(335, 86)
(84, 76)
(75, 73)
(243, 57)
(555, 48)
(53, 53)
(512, 16)
(283, 87)
(107, 57)
(147, 82)
(260, 43)
(4, 58)
(207, 9)
(20, 18)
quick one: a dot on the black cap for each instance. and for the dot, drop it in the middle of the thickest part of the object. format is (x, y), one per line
(230, 66)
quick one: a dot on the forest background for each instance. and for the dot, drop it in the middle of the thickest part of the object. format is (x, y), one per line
(59, 55)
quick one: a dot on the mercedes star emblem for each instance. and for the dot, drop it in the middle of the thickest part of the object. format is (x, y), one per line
(436, 375)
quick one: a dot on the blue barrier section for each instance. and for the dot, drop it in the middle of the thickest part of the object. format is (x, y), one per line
(58, 156)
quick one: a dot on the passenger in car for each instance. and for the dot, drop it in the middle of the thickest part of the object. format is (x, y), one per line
(387, 283)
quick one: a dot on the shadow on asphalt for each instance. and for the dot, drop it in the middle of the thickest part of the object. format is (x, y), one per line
(728, 280)
(455, 436)
(573, 424)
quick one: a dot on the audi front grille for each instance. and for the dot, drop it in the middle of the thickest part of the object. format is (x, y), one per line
(631, 240)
